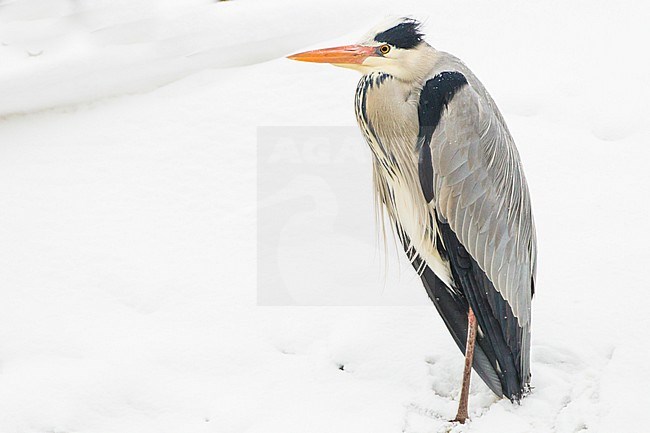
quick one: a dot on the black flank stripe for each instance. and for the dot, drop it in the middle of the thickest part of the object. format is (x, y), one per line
(435, 96)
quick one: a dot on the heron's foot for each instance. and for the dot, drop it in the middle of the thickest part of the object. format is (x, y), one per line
(459, 419)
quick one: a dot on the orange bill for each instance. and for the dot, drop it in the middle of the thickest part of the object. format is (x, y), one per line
(347, 54)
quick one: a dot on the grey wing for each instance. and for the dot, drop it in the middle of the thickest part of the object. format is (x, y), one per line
(480, 194)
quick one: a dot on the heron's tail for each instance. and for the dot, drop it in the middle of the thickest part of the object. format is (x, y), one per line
(453, 310)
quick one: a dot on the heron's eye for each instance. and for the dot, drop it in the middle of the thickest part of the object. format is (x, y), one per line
(384, 49)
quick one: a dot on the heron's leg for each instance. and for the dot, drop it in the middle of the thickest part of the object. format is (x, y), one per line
(461, 416)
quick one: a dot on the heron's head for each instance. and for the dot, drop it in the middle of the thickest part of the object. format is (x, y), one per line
(397, 48)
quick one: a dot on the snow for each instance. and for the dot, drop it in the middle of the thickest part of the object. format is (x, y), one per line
(130, 223)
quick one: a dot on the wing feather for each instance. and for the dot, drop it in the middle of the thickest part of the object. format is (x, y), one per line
(481, 198)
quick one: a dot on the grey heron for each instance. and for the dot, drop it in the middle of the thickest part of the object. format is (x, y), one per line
(447, 174)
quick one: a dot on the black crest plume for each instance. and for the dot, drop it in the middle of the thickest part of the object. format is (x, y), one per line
(407, 34)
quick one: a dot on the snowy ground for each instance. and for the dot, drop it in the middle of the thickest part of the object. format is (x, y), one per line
(129, 217)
